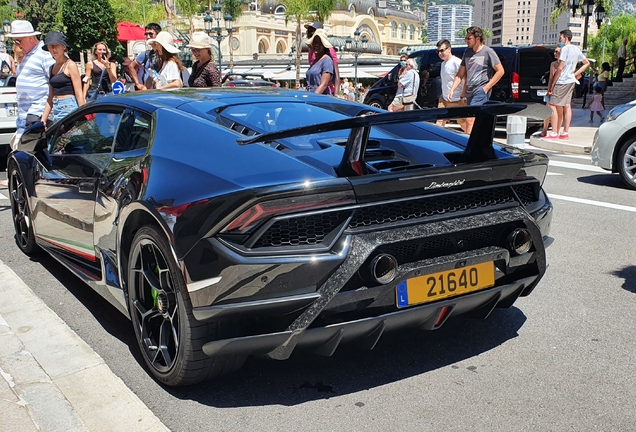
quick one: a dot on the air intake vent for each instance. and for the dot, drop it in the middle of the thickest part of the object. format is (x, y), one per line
(431, 206)
(301, 230)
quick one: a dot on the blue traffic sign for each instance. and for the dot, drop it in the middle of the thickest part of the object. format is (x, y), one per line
(118, 87)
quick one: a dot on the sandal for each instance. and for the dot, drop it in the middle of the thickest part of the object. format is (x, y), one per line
(564, 136)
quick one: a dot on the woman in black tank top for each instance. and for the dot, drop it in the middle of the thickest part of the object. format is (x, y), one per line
(65, 85)
(94, 69)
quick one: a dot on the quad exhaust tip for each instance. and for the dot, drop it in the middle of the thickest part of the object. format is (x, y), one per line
(520, 241)
(383, 268)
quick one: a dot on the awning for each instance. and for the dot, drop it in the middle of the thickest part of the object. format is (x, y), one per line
(127, 31)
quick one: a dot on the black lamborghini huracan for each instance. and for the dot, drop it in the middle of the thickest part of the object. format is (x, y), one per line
(235, 222)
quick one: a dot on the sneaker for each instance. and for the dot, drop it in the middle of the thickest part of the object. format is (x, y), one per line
(591, 121)
(564, 135)
(602, 119)
(551, 136)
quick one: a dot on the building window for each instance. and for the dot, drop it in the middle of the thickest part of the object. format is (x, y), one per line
(393, 29)
(402, 31)
(411, 32)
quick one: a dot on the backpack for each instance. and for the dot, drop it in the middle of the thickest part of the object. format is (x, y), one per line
(5, 66)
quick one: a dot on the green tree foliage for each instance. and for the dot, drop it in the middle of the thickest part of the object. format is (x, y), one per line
(486, 31)
(302, 11)
(139, 12)
(564, 7)
(88, 22)
(609, 38)
(43, 14)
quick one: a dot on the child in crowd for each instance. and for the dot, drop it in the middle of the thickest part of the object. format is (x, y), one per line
(596, 105)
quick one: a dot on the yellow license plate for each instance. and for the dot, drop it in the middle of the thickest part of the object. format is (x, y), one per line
(450, 283)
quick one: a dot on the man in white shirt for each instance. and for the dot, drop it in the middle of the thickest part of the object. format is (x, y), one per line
(32, 84)
(622, 57)
(565, 79)
(450, 67)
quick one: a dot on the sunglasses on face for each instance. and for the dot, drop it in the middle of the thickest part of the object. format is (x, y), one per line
(441, 50)
(149, 34)
(469, 37)
(17, 41)
(195, 50)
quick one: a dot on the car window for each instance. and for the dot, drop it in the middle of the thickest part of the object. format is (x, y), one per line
(134, 132)
(91, 133)
(534, 63)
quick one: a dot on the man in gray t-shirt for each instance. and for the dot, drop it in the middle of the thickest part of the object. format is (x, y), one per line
(482, 69)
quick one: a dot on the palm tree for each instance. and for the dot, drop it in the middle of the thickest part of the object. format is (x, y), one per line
(309, 11)
(235, 9)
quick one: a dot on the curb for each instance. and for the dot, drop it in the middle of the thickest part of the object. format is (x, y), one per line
(55, 375)
(559, 146)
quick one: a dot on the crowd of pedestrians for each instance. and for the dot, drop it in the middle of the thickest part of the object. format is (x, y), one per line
(49, 85)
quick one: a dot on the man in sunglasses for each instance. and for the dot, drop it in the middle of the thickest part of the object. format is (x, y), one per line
(311, 56)
(449, 68)
(139, 69)
(32, 83)
(481, 68)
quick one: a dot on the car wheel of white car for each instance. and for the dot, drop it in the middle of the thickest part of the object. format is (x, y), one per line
(627, 162)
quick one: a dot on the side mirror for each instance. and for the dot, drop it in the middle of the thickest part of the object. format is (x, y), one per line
(33, 139)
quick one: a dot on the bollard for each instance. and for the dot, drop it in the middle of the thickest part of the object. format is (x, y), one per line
(516, 131)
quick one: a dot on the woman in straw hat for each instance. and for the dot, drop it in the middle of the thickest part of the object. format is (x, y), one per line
(321, 71)
(170, 74)
(65, 85)
(204, 70)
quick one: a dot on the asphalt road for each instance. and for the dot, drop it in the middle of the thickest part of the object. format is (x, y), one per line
(560, 359)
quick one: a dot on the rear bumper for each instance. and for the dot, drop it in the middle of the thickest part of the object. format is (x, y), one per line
(339, 311)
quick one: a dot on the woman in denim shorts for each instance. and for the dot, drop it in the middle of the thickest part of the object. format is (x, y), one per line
(65, 85)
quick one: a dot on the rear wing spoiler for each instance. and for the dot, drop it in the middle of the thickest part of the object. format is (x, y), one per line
(478, 149)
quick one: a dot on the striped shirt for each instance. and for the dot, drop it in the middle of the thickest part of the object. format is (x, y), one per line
(32, 84)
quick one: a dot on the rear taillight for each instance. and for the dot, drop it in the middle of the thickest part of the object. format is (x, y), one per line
(514, 85)
(264, 210)
(231, 85)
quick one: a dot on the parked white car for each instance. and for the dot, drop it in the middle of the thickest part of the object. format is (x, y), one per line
(8, 116)
(614, 147)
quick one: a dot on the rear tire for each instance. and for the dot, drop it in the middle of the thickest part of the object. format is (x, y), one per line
(20, 212)
(377, 103)
(626, 161)
(169, 337)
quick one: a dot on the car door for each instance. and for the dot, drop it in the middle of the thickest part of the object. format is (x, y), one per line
(65, 188)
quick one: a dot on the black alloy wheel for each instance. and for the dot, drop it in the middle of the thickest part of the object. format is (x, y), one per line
(22, 222)
(168, 335)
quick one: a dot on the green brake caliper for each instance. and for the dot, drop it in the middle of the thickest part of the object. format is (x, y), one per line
(153, 292)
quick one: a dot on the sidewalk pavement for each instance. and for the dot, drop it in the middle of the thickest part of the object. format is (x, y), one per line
(581, 135)
(50, 379)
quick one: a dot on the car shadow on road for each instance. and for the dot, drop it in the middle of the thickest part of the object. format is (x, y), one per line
(400, 355)
(306, 376)
(109, 317)
(628, 274)
(600, 179)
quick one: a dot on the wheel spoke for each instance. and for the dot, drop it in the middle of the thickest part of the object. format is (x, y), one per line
(165, 334)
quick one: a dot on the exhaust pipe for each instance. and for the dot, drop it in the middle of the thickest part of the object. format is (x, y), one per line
(383, 268)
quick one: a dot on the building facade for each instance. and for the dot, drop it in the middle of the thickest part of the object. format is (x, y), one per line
(261, 31)
(527, 22)
(444, 21)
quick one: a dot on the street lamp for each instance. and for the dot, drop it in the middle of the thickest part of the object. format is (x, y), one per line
(357, 44)
(600, 15)
(207, 20)
(586, 7)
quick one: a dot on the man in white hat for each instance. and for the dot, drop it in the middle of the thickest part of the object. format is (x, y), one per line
(32, 84)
